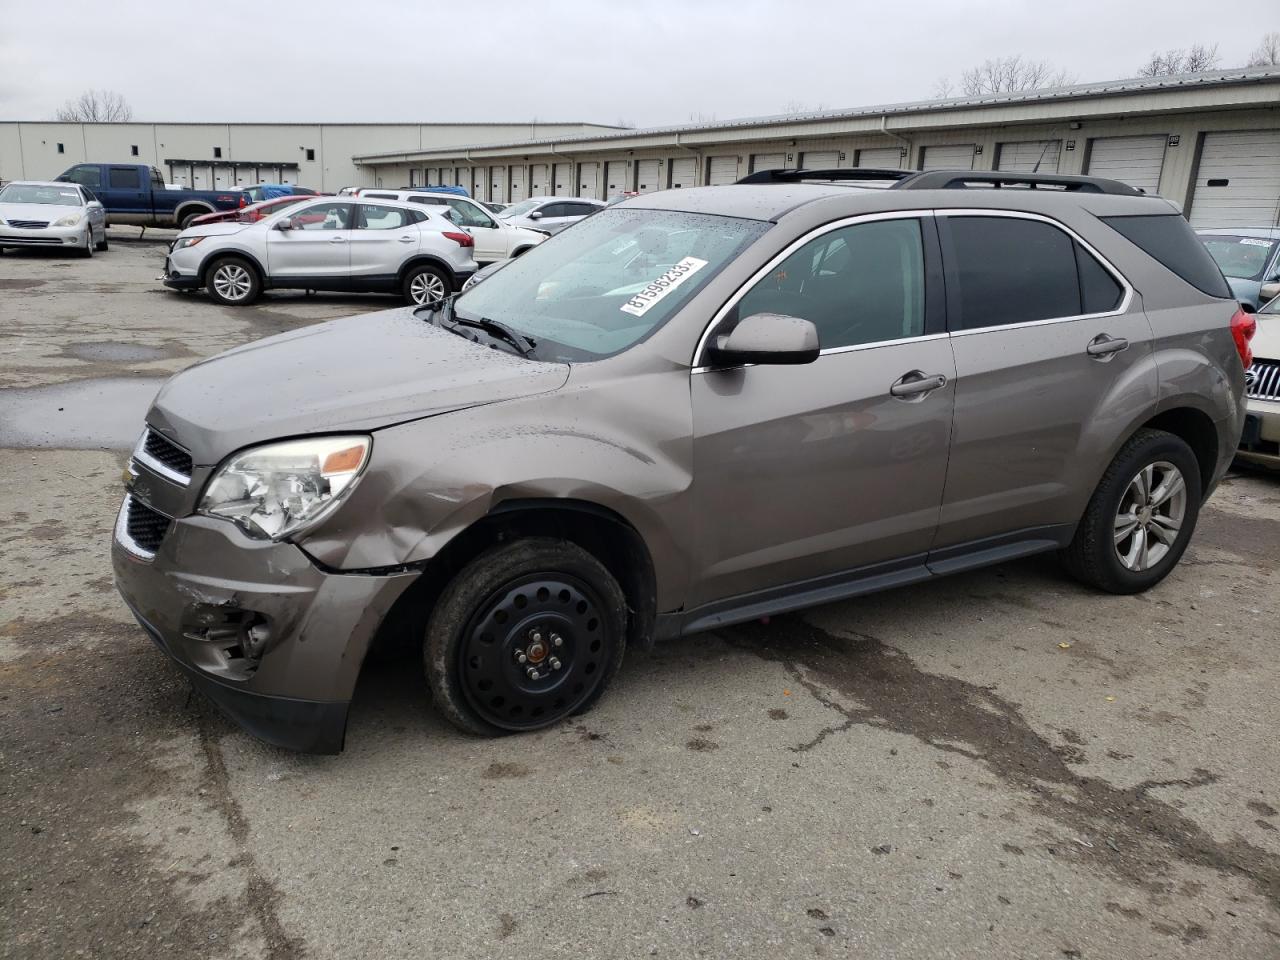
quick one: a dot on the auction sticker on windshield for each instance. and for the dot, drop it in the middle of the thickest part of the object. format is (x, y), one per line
(639, 304)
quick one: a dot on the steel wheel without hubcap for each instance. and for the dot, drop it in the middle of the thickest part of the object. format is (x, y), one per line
(232, 281)
(1151, 512)
(426, 288)
(534, 652)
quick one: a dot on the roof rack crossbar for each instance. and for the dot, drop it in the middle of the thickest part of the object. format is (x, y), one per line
(962, 179)
(840, 173)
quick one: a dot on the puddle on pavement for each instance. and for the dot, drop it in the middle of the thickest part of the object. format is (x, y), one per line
(20, 284)
(113, 352)
(82, 414)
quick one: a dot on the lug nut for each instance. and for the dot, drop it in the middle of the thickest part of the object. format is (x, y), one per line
(520, 657)
(557, 640)
(535, 636)
(532, 674)
(555, 664)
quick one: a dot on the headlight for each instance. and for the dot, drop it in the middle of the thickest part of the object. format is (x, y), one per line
(182, 242)
(278, 489)
(70, 220)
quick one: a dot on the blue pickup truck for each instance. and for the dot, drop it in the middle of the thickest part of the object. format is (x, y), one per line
(135, 193)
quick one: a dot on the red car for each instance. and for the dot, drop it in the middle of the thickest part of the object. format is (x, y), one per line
(252, 213)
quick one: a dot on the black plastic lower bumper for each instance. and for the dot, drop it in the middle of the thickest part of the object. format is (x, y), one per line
(178, 282)
(309, 726)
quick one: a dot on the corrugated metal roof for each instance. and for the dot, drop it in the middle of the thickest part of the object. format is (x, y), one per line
(1110, 88)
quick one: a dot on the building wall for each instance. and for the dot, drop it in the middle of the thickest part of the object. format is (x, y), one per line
(30, 150)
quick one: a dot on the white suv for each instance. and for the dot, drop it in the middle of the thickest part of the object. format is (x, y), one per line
(495, 238)
(329, 243)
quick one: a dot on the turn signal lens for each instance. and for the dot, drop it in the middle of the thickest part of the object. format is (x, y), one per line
(343, 461)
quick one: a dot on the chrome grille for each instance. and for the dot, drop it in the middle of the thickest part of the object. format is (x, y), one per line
(164, 457)
(29, 224)
(140, 528)
(1262, 381)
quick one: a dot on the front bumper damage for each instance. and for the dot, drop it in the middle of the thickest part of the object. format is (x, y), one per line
(270, 637)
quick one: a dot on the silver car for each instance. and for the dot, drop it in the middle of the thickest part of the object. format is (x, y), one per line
(549, 214)
(39, 213)
(1250, 260)
(330, 243)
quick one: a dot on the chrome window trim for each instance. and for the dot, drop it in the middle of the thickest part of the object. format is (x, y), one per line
(786, 252)
(1125, 301)
(155, 466)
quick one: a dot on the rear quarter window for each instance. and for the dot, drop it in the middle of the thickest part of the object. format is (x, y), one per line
(1169, 239)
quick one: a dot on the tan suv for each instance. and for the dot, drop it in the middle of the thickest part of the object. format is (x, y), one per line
(695, 408)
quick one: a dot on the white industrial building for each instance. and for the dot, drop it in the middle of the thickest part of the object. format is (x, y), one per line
(1210, 142)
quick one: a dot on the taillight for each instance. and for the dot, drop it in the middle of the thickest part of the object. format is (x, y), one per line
(466, 240)
(1243, 327)
(243, 200)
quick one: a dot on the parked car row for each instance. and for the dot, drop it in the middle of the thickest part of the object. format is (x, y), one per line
(45, 214)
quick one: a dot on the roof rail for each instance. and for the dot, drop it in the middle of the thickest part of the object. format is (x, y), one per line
(841, 173)
(962, 179)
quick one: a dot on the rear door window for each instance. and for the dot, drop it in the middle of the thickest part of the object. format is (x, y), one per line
(124, 178)
(377, 217)
(1004, 270)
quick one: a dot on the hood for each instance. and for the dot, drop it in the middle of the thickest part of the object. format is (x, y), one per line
(1266, 342)
(38, 211)
(219, 229)
(357, 373)
(1247, 291)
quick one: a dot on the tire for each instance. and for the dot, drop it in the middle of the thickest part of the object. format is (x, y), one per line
(424, 284)
(187, 218)
(87, 250)
(103, 245)
(1124, 544)
(547, 600)
(232, 282)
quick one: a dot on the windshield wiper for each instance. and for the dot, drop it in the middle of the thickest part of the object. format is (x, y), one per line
(499, 331)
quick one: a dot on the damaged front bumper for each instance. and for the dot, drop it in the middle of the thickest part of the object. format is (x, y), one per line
(271, 638)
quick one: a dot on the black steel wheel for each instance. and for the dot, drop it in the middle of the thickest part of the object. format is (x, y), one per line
(526, 635)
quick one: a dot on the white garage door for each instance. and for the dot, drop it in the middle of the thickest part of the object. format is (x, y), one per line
(1136, 161)
(958, 156)
(462, 177)
(615, 178)
(539, 184)
(589, 180)
(768, 161)
(498, 184)
(684, 173)
(1238, 183)
(477, 182)
(722, 170)
(1024, 155)
(819, 159)
(518, 192)
(883, 158)
(562, 178)
(648, 173)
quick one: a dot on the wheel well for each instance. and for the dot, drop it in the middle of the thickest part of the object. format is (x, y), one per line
(520, 250)
(187, 208)
(253, 264)
(599, 531)
(428, 261)
(1198, 431)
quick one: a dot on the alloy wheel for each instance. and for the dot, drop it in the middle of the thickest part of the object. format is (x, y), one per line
(1149, 518)
(232, 281)
(535, 651)
(426, 288)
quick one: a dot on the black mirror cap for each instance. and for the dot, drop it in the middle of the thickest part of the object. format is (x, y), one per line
(1248, 306)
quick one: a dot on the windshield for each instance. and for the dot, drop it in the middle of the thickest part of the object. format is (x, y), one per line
(609, 282)
(31, 193)
(519, 209)
(1272, 307)
(1243, 258)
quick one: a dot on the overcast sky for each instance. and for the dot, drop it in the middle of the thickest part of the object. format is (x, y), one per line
(646, 63)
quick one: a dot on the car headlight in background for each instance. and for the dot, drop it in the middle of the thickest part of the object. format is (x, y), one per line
(279, 488)
(182, 242)
(70, 220)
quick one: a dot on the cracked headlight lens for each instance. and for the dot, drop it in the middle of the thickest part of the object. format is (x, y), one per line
(278, 489)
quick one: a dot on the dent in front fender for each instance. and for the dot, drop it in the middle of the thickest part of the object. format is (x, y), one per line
(623, 443)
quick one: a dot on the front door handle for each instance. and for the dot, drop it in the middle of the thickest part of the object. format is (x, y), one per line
(406, 239)
(1102, 346)
(916, 384)
(338, 240)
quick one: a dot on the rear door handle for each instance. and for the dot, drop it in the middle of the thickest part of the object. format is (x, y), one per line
(406, 239)
(1102, 346)
(916, 384)
(338, 240)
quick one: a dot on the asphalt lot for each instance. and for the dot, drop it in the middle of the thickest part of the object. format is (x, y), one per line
(1001, 764)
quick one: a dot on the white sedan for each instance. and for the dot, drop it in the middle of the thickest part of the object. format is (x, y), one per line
(44, 214)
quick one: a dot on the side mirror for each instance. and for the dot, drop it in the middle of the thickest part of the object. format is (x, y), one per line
(1269, 291)
(1247, 307)
(765, 338)
(285, 224)
(536, 215)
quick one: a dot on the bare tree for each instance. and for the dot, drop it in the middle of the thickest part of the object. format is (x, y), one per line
(799, 106)
(1268, 52)
(1196, 58)
(96, 106)
(943, 88)
(1011, 75)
